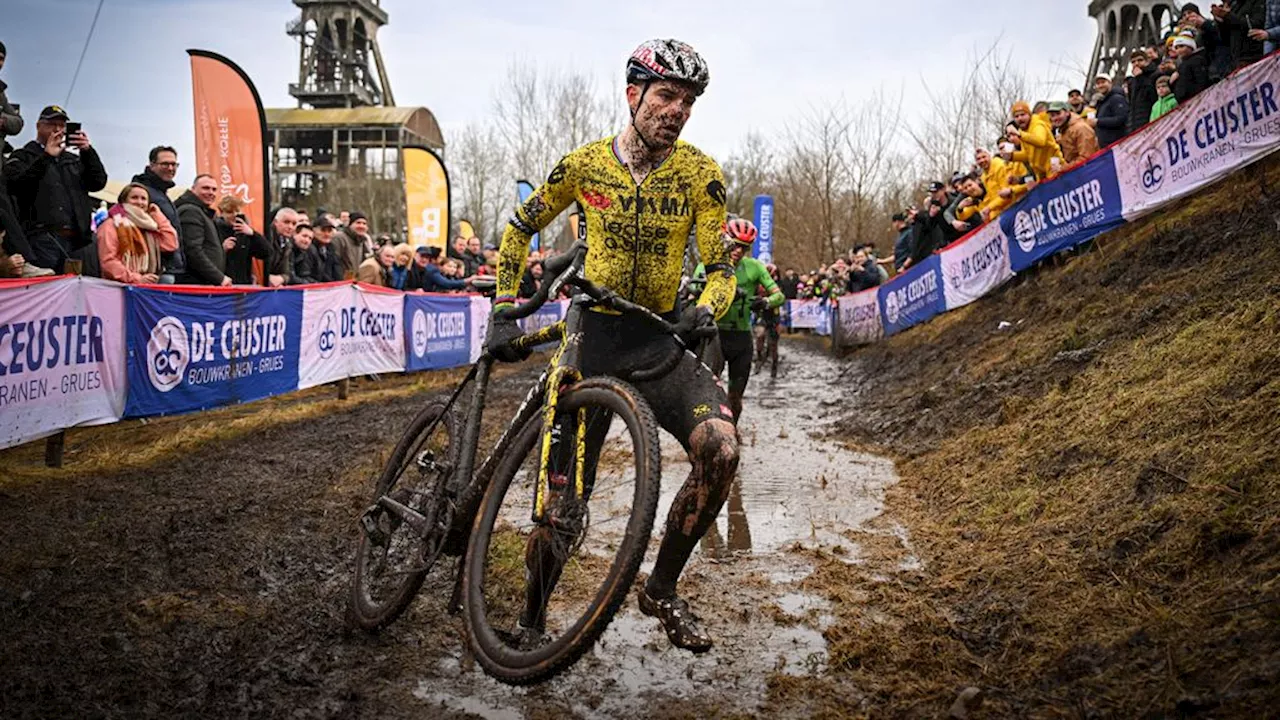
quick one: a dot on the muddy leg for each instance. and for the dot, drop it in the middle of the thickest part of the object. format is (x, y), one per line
(714, 453)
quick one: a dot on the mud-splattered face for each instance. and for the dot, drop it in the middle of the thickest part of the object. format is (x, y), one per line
(661, 114)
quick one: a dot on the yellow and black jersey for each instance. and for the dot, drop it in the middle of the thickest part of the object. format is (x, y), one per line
(636, 234)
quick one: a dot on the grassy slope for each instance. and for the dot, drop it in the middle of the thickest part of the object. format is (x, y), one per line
(1095, 493)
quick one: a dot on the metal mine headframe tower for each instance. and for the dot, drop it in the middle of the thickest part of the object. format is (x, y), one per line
(338, 37)
(1123, 26)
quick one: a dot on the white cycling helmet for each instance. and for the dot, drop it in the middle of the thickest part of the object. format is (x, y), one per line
(668, 60)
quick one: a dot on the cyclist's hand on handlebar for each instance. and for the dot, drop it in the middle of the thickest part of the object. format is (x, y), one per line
(502, 331)
(696, 323)
(759, 305)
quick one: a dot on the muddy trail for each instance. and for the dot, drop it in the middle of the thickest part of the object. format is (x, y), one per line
(212, 581)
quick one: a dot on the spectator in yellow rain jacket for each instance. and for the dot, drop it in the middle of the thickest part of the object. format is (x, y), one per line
(1003, 181)
(1034, 136)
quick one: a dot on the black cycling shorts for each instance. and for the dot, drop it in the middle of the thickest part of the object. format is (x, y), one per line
(737, 348)
(682, 400)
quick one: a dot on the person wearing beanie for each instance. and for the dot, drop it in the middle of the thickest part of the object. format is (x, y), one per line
(1192, 75)
(1034, 138)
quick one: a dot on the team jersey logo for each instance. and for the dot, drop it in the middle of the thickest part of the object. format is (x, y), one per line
(715, 189)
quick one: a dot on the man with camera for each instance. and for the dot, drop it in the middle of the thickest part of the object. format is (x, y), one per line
(50, 179)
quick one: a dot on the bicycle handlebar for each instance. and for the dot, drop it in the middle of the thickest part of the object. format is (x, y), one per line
(566, 269)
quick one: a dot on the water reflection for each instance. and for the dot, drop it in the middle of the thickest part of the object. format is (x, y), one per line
(739, 529)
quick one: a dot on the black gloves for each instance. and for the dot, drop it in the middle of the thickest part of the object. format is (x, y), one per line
(696, 323)
(501, 332)
(759, 305)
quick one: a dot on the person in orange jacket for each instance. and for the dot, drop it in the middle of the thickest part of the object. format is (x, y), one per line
(132, 237)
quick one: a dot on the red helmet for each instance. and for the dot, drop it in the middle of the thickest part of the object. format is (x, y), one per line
(741, 231)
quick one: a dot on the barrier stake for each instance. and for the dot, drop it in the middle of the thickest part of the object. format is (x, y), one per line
(344, 386)
(53, 449)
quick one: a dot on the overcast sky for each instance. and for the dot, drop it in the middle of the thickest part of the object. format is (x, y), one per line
(769, 60)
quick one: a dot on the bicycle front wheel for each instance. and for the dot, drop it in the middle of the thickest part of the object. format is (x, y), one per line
(392, 558)
(539, 592)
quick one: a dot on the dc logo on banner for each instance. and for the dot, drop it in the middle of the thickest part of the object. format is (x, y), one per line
(1024, 231)
(167, 353)
(1152, 171)
(328, 341)
(892, 307)
(420, 334)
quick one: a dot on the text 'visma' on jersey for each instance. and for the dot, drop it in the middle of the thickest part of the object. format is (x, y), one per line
(636, 234)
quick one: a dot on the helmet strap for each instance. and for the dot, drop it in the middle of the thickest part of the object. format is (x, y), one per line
(643, 140)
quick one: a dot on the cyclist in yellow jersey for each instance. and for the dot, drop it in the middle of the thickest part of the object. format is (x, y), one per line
(641, 193)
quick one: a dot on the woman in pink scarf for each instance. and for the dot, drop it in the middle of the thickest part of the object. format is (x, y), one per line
(132, 237)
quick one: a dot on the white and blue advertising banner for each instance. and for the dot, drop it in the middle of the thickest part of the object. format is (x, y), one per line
(1064, 212)
(859, 318)
(480, 308)
(912, 297)
(438, 331)
(824, 319)
(763, 249)
(61, 357)
(192, 351)
(348, 331)
(524, 189)
(1229, 125)
(805, 314)
(975, 266)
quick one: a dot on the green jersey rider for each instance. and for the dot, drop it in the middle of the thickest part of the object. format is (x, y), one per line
(641, 193)
(735, 325)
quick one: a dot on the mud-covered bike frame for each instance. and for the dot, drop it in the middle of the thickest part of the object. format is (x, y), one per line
(464, 488)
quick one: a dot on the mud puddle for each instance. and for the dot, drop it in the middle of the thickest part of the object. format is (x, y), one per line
(796, 495)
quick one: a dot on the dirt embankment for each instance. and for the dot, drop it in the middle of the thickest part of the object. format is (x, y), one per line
(1094, 488)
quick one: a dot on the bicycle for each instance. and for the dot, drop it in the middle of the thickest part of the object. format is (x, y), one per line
(767, 342)
(548, 462)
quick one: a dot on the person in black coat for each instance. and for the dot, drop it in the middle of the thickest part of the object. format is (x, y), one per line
(240, 241)
(50, 189)
(1192, 76)
(1112, 119)
(206, 255)
(306, 261)
(329, 268)
(1141, 89)
(157, 178)
(863, 274)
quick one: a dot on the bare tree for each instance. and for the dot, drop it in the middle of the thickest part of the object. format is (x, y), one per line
(971, 114)
(485, 190)
(750, 171)
(538, 118)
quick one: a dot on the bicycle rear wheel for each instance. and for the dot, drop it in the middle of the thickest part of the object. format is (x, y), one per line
(538, 594)
(392, 558)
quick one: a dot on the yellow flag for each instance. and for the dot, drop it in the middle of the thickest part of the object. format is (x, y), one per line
(426, 197)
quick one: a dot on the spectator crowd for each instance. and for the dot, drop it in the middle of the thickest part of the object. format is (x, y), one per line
(1051, 137)
(48, 225)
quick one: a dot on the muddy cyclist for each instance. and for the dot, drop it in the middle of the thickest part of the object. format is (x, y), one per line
(642, 192)
(735, 326)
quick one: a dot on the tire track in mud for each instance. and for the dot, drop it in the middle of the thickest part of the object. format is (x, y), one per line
(797, 495)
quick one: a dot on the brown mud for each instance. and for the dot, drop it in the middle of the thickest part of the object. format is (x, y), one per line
(157, 577)
(1090, 463)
